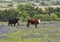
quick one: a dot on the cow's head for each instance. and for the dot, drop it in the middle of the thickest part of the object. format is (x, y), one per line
(17, 18)
(38, 20)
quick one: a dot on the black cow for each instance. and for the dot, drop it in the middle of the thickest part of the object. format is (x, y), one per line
(13, 21)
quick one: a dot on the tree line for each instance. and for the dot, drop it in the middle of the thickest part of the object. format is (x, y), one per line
(27, 11)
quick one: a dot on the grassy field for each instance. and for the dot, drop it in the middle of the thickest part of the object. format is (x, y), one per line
(23, 34)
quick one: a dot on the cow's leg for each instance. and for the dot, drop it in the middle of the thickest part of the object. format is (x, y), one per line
(14, 24)
(27, 24)
(36, 25)
(18, 23)
(11, 24)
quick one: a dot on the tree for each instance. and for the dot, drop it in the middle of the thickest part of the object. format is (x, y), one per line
(46, 17)
(53, 17)
(6, 14)
(38, 16)
(58, 14)
(49, 10)
(24, 16)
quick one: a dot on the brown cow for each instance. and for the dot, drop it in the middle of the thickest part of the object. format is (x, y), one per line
(33, 21)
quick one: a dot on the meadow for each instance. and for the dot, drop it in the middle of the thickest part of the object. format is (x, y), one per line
(45, 32)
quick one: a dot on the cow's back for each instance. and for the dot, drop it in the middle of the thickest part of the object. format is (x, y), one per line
(13, 20)
(33, 21)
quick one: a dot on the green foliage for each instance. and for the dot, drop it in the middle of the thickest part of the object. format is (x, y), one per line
(24, 16)
(53, 16)
(39, 16)
(46, 17)
(58, 19)
(50, 17)
(58, 14)
(1, 6)
(30, 35)
(6, 14)
(27, 11)
(27, 8)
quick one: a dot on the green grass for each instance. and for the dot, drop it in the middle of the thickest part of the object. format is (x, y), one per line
(30, 35)
(45, 34)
